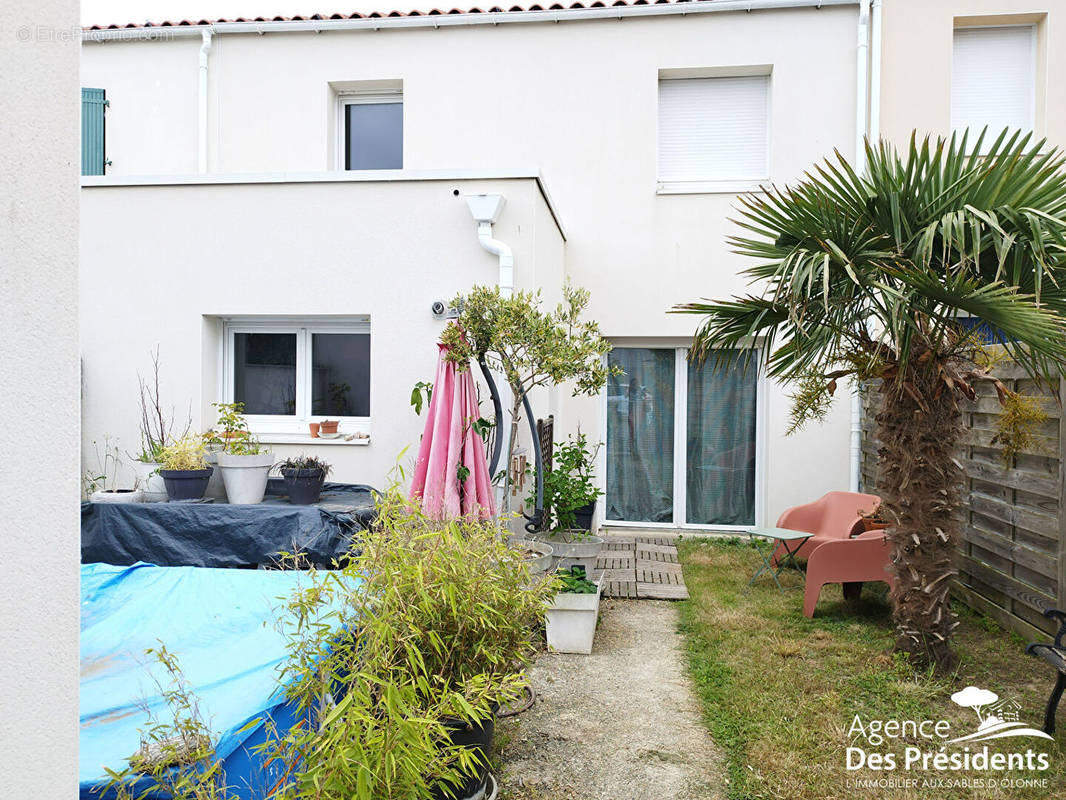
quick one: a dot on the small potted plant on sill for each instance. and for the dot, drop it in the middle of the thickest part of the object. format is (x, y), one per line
(874, 520)
(184, 469)
(572, 613)
(570, 497)
(244, 464)
(303, 476)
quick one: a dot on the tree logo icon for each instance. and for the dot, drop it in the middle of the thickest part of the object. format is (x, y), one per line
(990, 723)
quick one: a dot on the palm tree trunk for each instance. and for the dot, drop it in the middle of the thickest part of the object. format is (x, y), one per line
(919, 483)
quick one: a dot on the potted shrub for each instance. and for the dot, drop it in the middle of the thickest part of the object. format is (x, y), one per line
(569, 496)
(303, 476)
(244, 464)
(572, 614)
(428, 628)
(184, 469)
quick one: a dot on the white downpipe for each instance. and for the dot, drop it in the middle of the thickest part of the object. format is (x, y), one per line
(503, 252)
(875, 71)
(862, 85)
(205, 51)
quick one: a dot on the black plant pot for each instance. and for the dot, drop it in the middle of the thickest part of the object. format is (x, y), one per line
(186, 484)
(583, 516)
(303, 486)
(478, 738)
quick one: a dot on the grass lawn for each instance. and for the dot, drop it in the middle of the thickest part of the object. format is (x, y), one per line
(780, 691)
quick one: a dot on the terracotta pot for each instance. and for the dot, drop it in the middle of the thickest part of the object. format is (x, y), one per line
(873, 525)
(314, 429)
(329, 426)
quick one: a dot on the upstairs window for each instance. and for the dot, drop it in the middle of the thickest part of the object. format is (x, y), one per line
(288, 371)
(713, 133)
(993, 79)
(373, 130)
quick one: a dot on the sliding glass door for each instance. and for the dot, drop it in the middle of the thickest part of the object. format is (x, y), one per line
(681, 438)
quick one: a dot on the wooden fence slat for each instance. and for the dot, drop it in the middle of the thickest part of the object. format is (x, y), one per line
(1012, 558)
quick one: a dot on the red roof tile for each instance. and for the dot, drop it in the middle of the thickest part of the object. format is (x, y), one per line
(533, 7)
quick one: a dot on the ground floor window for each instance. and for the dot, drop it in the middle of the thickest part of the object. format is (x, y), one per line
(289, 371)
(681, 438)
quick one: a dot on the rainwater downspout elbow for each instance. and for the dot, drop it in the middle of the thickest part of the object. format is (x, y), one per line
(501, 251)
(205, 51)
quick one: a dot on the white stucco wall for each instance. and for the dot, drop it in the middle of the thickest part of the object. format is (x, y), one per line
(916, 61)
(578, 102)
(39, 554)
(383, 249)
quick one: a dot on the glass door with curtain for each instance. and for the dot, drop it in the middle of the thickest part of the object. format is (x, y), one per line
(681, 439)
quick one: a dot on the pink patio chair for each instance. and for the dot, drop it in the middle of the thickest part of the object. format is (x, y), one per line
(846, 561)
(832, 516)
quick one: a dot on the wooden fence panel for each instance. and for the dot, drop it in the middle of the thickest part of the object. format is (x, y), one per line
(1012, 558)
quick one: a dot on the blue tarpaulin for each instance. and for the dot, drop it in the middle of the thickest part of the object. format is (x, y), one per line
(222, 626)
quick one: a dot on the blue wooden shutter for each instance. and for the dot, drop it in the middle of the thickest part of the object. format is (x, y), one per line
(93, 104)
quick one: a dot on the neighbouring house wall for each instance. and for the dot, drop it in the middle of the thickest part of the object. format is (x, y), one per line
(916, 61)
(576, 101)
(39, 554)
(383, 249)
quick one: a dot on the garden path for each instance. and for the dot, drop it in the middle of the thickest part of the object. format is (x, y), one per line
(620, 724)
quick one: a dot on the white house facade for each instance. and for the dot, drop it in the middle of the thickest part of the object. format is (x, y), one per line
(282, 202)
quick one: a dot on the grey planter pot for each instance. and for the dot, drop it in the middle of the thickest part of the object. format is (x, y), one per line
(569, 550)
(245, 477)
(543, 561)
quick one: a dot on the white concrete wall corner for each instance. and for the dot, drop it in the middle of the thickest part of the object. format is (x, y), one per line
(39, 551)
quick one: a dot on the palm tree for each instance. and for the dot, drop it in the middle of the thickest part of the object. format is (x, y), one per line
(873, 276)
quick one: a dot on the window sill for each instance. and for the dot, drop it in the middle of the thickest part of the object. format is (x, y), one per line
(708, 187)
(305, 439)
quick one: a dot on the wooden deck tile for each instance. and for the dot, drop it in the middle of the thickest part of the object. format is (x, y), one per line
(661, 591)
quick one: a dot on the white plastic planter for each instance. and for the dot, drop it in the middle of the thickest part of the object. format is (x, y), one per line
(571, 623)
(150, 482)
(118, 496)
(573, 549)
(216, 489)
(245, 477)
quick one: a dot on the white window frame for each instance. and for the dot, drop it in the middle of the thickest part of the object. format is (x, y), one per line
(363, 97)
(1033, 76)
(680, 501)
(282, 428)
(716, 186)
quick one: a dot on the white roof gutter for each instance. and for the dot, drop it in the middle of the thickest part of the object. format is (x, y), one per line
(161, 33)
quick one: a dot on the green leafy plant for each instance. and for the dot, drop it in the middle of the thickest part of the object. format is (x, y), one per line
(421, 394)
(575, 581)
(569, 484)
(232, 435)
(880, 277)
(427, 627)
(530, 346)
(303, 462)
(177, 757)
(186, 454)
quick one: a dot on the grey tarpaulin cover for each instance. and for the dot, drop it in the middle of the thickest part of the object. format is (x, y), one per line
(222, 535)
